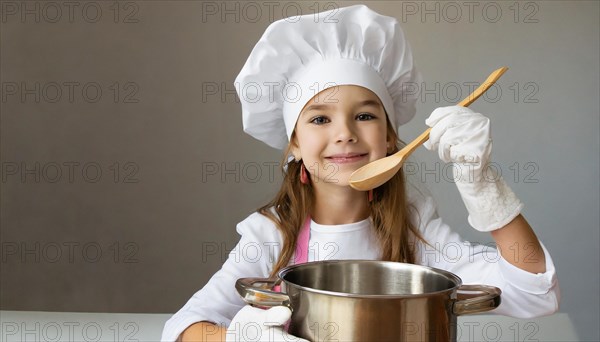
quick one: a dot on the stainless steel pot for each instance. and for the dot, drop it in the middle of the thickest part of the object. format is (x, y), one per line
(366, 300)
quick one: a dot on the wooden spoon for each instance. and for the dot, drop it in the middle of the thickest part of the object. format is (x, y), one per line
(380, 171)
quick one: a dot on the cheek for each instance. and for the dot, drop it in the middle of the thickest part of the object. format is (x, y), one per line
(381, 149)
(309, 147)
(380, 143)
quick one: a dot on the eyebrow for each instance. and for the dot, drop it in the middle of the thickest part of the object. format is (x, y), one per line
(369, 103)
(316, 107)
(365, 103)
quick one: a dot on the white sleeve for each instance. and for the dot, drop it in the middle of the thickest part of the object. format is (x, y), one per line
(218, 301)
(524, 294)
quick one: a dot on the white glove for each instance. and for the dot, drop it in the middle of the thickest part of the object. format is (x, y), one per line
(462, 137)
(254, 324)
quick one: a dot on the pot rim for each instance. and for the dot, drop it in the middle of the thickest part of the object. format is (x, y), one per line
(457, 280)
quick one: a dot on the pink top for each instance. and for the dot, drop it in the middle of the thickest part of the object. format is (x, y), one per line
(301, 255)
(302, 243)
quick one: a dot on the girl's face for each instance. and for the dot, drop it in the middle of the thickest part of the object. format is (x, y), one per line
(338, 131)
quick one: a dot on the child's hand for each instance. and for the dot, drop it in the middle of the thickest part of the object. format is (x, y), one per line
(462, 137)
(254, 324)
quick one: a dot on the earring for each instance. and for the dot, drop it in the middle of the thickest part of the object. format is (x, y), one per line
(303, 175)
(370, 195)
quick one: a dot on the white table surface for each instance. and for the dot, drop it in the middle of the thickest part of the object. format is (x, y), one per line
(122, 327)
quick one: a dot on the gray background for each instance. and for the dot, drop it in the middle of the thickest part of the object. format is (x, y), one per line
(177, 172)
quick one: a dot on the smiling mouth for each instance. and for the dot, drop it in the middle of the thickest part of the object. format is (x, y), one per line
(346, 158)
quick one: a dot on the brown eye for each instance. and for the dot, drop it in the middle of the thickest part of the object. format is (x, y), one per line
(319, 120)
(364, 117)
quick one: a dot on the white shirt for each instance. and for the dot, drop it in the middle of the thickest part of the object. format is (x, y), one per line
(524, 294)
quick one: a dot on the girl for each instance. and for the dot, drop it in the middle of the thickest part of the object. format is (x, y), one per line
(329, 90)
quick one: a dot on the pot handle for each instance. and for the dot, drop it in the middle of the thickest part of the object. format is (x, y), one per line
(473, 303)
(261, 296)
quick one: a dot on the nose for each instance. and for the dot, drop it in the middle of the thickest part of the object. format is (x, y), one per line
(346, 133)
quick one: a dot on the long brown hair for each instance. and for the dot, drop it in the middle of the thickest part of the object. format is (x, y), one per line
(390, 212)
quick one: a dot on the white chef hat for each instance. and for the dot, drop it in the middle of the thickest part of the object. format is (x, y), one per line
(298, 57)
